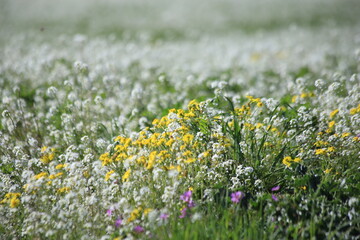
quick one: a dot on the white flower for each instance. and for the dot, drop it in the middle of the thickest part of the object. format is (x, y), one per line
(195, 217)
(51, 91)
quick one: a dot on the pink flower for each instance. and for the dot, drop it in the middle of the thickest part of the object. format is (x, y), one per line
(237, 196)
(275, 198)
(118, 222)
(164, 216)
(191, 204)
(183, 212)
(274, 189)
(109, 212)
(139, 229)
(186, 197)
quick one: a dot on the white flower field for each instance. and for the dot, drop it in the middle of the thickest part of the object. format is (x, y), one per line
(216, 119)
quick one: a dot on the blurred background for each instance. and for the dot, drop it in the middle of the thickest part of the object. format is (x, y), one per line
(171, 19)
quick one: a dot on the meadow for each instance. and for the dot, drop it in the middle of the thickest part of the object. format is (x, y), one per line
(179, 119)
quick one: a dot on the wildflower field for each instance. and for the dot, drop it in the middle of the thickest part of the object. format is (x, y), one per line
(216, 119)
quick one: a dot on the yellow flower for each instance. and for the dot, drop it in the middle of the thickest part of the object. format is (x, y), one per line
(14, 202)
(254, 100)
(43, 149)
(121, 156)
(147, 210)
(172, 167)
(152, 158)
(40, 175)
(330, 149)
(328, 170)
(355, 110)
(344, 135)
(193, 106)
(108, 175)
(274, 129)
(187, 153)
(63, 190)
(52, 176)
(190, 160)
(287, 161)
(155, 122)
(60, 166)
(12, 199)
(249, 126)
(134, 214)
(320, 151)
(141, 160)
(304, 95)
(331, 124)
(333, 113)
(207, 153)
(187, 138)
(321, 143)
(169, 142)
(105, 159)
(47, 156)
(126, 175)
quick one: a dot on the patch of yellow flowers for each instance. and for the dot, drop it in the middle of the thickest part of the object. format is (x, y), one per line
(47, 155)
(12, 199)
(289, 160)
(170, 144)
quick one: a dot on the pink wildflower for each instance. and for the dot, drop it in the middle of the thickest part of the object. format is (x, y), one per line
(183, 212)
(118, 222)
(164, 216)
(139, 229)
(237, 196)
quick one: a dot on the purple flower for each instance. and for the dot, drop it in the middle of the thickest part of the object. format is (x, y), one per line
(274, 189)
(191, 204)
(109, 212)
(118, 222)
(275, 198)
(139, 229)
(183, 212)
(237, 196)
(164, 216)
(186, 197)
